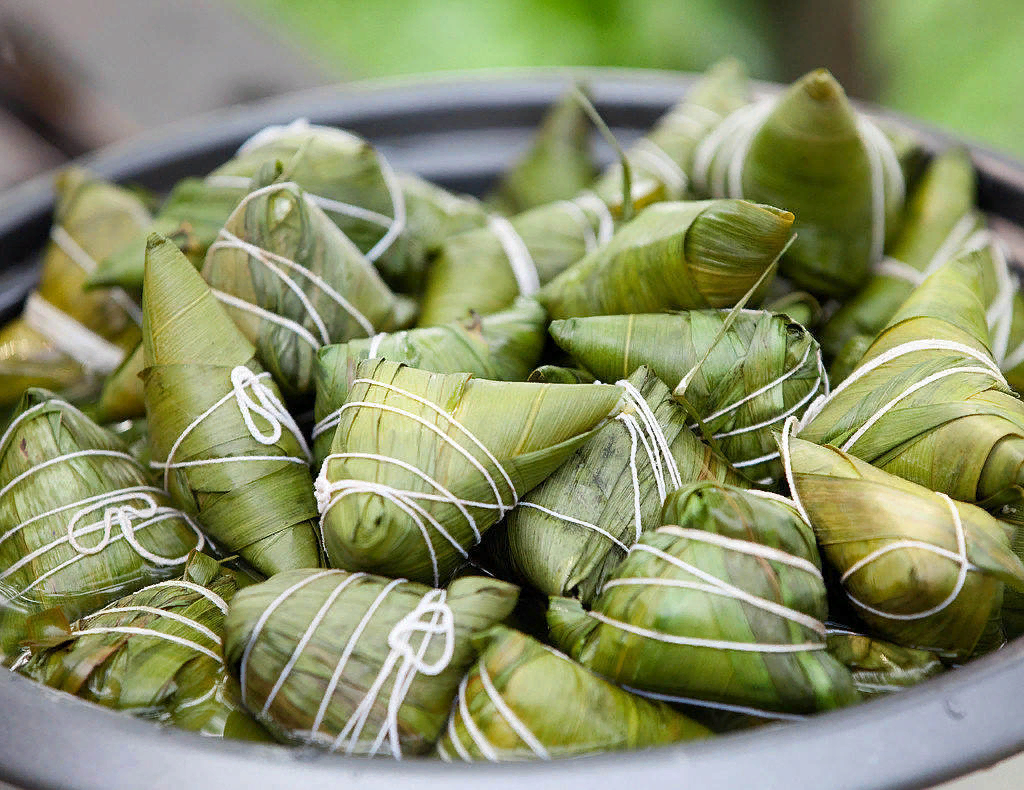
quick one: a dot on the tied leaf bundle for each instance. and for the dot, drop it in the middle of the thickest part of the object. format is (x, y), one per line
(155, 653)
(880, 667)
(1013, 600)
(230, 453)
(486, 269)
(557, 165)
(342, 173)
(674, 256)
(66, 335)
(293, 283)
(423, 464)
(939, 219)
(522, 701)
(753, 369)
(927, 401)
(810, 151)
(356, 663)
(660, 161)
(503, 346)
(724, 604)
(922, 570)
(570, 532)
(80, 522)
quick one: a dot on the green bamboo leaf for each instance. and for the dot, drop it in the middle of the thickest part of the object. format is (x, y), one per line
(928, 391)
(761, 369)
(522, 700)
(940, 217)
(557, 164)
(879, 667)
(81, 523)
(724, 604)
(485, 269)
(922, 570)
(809, 151)
(570, 532)
(156, 653)
(356, 663)
(122, 395)
(231, 454)
(674, 256)
(422, 464)
(503, 346)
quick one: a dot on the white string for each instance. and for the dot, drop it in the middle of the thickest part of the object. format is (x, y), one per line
(898, 270)
(67, 244)
(578, 522)
(959, 557)
(205, 592)
(589, 201)
(518, 254)
(652, 157)
(266, 405)
(88, 349)
(307, 635)
(902, 350)
(999, 315)
(717, 644)
(135, 631)
(170, 615)
(261, 622)
(714, 585)
(517, 724)
(787, 466)
(702, 703)
(578, 214)
(475, 734)
(746, 547)
(890, 405)
(375, 342)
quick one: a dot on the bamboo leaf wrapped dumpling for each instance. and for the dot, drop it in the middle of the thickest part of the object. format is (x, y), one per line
(486, 269)
(723, 604)
(522, 701)
(155, 653)
(761, 370)
(230, 453)
(67, 335)
(674, 256)
(928, 391)
(423, 464)
(880, 667)
(557, 165)
(809, 151)
(81, 523)
(293, 282)
(343, 173)
(357, 663)
(567, 535)
(503, 346)
(922, 570)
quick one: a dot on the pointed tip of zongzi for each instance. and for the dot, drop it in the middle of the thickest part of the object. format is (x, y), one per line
(816, 106)
(182, 321)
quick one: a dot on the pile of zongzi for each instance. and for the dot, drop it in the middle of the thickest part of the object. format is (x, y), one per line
(319, 452)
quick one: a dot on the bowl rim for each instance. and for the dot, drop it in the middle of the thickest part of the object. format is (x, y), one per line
(946, 727)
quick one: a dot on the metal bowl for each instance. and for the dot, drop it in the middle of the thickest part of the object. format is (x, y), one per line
(461, 131)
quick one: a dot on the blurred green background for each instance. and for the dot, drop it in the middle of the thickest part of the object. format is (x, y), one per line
(955, 63)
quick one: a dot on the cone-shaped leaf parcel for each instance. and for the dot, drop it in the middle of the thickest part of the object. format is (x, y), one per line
(356, 663)
(422, 464)
(155, 653)
(724, 603)
(230, 454)
(522, 701)
(81, 523)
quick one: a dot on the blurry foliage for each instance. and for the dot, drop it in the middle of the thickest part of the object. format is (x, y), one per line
(956, 63)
